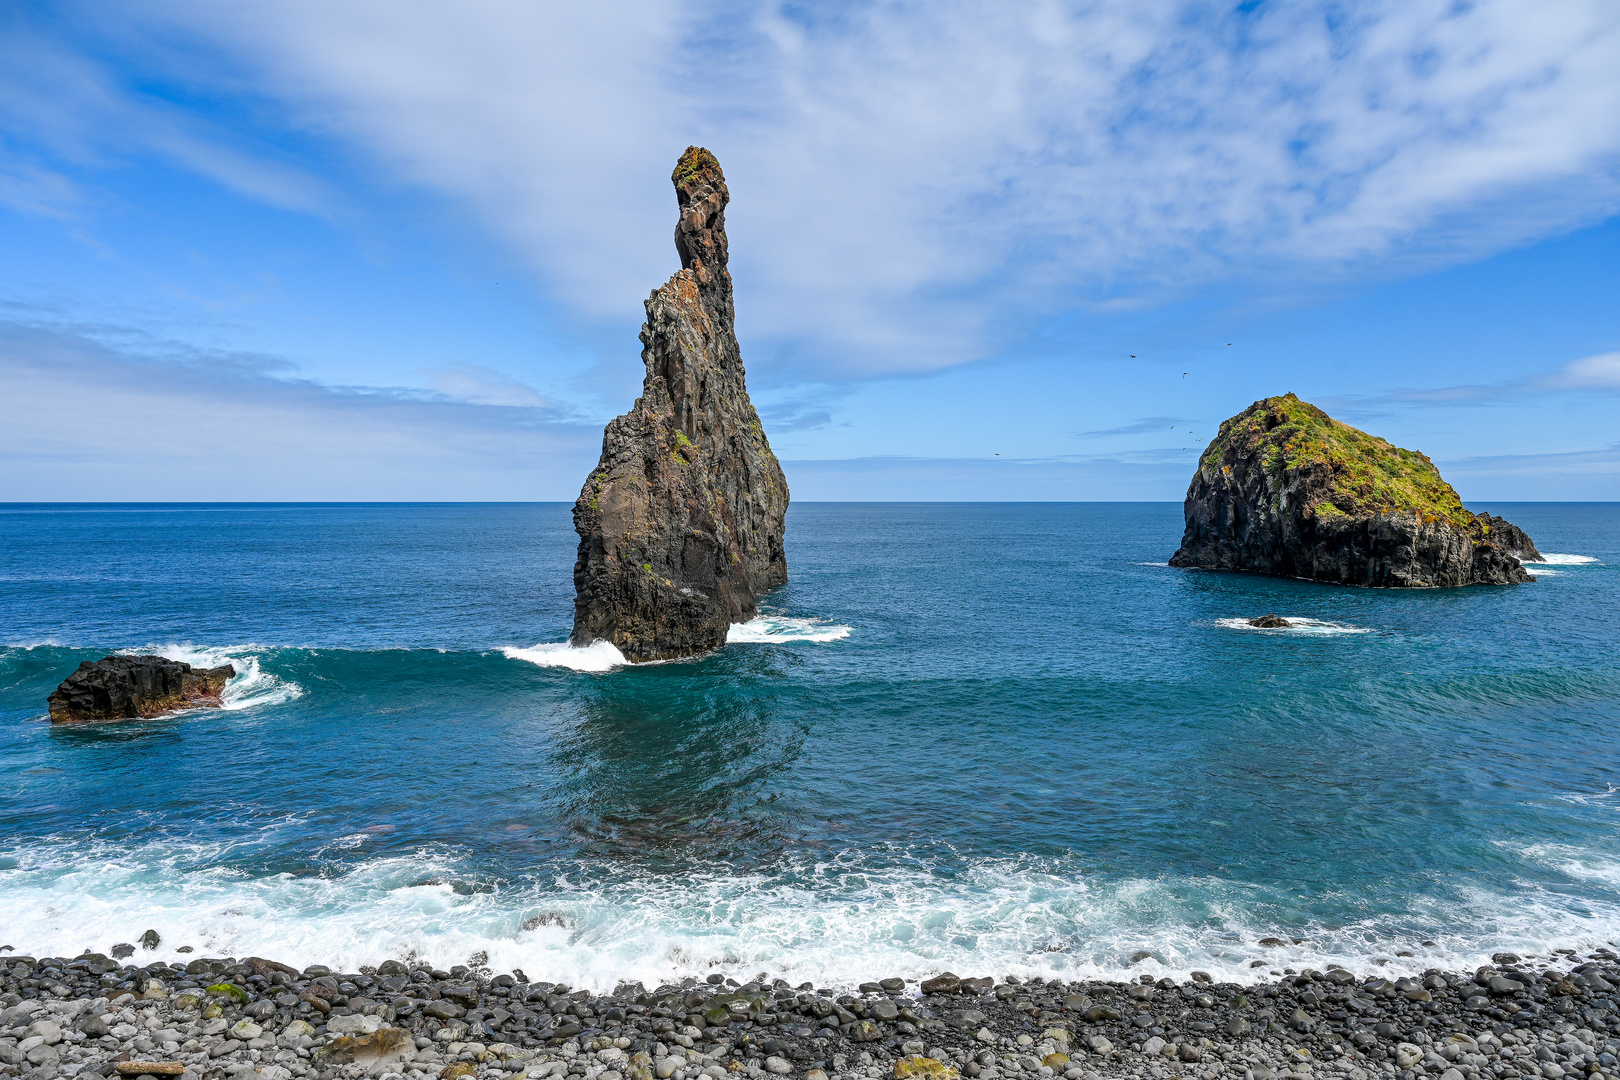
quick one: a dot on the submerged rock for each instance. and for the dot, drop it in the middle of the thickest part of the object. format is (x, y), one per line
(1271, 622)
(1285, 489)
(118, 687)
(681, 522)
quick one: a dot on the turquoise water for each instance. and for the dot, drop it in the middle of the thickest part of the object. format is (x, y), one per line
(991, 738)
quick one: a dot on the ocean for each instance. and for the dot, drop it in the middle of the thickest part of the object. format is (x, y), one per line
(990, 738)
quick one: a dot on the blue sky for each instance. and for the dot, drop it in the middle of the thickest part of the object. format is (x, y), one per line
(385, 249)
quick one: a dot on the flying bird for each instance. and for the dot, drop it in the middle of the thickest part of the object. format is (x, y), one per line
(1183, 374)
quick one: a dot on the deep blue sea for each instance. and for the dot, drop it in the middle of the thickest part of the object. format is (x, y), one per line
(985, 737)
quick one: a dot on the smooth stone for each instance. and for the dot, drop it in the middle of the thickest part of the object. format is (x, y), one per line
(48, 1031)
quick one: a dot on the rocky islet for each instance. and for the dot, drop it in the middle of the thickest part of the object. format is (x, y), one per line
(213, 1018)
(1286, 490)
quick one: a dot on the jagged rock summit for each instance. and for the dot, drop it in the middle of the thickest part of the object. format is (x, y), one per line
(1285, 489)
(681, 522)
(122, 687)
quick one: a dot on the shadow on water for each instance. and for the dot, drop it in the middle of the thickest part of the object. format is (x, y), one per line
(91, 733)
(684, 760)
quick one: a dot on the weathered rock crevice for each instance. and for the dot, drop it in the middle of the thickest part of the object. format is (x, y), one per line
(1286, 490)
(681, 523)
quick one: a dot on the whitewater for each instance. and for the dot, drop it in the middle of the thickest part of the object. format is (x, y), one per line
(936, 748)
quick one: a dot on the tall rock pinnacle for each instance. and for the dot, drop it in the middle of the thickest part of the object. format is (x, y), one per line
(680, 524)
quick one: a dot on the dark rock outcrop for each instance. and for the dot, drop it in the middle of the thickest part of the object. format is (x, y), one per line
(120, 687)
(1271, 622)
(1285, 489)
(681, 522)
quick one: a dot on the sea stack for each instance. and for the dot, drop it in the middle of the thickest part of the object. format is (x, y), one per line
(681, 522)
(124, 687)
(1287, 490)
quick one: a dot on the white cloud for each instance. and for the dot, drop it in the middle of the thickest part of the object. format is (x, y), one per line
(54, 98)
(479, 385)
(82, 420)
(1601, 372)
(911, 180)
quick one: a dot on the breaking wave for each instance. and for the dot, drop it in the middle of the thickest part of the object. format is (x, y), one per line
(781, 628)
(598, 656)
(837, 920)
(252, 686)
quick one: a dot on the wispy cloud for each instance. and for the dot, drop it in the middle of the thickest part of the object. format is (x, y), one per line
(475, 384)
(806, 412)
(56, 101)
(1600, 373)
(1144, 426)
(83, 419)
(911, 180)
(918, 479)
(1589, 474)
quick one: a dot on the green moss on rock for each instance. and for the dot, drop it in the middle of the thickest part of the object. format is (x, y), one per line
(695, 161)
(1370, 475)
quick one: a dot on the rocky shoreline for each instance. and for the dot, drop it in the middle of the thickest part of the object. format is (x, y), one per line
(213, 1018)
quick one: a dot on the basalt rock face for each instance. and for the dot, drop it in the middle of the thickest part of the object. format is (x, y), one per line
(1285, 489)
(681, 522)
(119, 687)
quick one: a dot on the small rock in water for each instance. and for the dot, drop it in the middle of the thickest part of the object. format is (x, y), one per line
(119, 687)
(1271, 622)
(150, 940)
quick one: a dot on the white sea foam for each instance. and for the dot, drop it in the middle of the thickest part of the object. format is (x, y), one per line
(1301, 625)
(780, 628)
(602, 656)
(597, 656)
(1549, 558)
(835, 922)
(251, 687)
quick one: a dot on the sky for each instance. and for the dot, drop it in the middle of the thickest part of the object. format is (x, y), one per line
(397, 249)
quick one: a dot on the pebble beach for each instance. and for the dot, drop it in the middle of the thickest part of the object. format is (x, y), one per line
(256, 1019)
